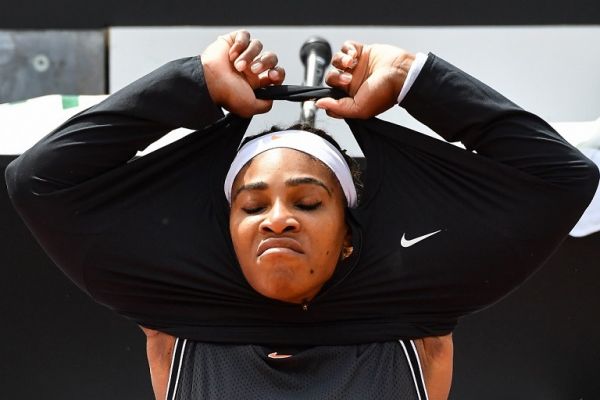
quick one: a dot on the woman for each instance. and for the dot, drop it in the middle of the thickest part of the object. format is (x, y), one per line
(286, 284)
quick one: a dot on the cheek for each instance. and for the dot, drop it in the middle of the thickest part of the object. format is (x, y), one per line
(328, 237)
(242, 233)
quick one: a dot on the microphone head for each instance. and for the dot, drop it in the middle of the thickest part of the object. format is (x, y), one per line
(318, 46)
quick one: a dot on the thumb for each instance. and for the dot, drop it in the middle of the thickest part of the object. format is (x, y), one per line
(260, 107)
(342, 108)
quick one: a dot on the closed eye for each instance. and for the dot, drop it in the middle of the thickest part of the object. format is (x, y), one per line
(252, 210)
(309, 207)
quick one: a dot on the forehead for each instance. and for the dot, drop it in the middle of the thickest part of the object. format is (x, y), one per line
(282, 163)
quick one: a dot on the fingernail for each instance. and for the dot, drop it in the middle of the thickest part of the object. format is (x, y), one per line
(319, 104)
(274, 74)
(349, 61)
(345, 77)
(256, 67)
(240, 65)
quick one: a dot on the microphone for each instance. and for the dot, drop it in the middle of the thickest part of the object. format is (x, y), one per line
(315, 54)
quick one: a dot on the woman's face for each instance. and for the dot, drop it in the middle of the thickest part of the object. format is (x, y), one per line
(287, 224)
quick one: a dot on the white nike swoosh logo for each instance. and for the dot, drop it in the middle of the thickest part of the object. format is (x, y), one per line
(409, 242)
(275, 355)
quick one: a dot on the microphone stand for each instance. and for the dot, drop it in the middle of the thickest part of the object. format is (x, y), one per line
(315, 54)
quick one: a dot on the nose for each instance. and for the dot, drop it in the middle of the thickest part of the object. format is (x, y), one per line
(280, 219)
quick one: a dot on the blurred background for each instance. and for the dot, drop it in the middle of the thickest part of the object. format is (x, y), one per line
(542, 342)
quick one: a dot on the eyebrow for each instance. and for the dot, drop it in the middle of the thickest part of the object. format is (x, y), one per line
(290, 182)
(307, 181)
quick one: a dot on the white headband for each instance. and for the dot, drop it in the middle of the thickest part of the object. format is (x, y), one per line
(303, 141)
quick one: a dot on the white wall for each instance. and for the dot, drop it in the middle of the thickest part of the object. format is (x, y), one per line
(553, 71)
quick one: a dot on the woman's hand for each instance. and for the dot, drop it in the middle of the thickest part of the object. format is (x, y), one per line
(372, 75)
(234, 66)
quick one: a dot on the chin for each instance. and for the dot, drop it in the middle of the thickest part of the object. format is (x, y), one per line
(281, 277)
(280, 285)
(280, 288)
(277, 295)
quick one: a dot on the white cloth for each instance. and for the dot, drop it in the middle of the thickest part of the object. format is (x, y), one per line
(303, 141)
(412, 75)
(585, 135)
(590, 220)
(24, 123)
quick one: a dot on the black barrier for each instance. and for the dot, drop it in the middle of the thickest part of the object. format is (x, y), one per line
(539, 343)
(55, 342)
(68, 14)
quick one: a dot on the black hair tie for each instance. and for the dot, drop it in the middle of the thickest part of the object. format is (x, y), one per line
(298, 93)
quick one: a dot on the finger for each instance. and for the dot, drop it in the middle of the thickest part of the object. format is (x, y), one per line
(274, 76)
(341, 60)
(248, 55)
(277, 75)
(239, 42)
(334, 115)
(342, 108)
(352, 51)
(337, 78)
(262, 106)
(352, 48)
(258, 106)
(324, 102)
(263, 62)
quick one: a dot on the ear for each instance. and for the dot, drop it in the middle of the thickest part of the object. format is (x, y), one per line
(348, 237)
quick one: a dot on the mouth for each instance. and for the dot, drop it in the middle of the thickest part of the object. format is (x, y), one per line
(279, 245)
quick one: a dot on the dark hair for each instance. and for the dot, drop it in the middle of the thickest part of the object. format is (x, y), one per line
(355, 170)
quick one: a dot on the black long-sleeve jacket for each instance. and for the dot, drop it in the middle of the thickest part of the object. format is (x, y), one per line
(149, 237)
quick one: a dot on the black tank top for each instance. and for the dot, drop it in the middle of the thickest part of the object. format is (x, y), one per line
(379, 371)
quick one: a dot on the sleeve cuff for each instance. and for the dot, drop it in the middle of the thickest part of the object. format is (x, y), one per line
(412, 75)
